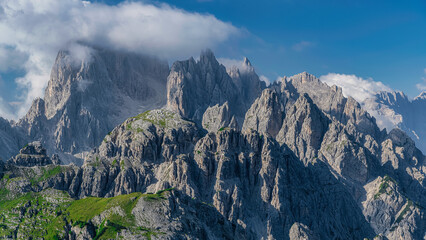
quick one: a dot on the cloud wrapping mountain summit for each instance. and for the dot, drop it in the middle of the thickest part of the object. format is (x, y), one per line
(33, 32)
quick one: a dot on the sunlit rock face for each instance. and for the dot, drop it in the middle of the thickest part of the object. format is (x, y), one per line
(193, 86)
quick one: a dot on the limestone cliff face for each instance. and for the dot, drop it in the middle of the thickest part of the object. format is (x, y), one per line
(33, 154)
(247, 81)
(267, 113)
(11, 139)
(219, 117)
(193, 86)
(86, 99)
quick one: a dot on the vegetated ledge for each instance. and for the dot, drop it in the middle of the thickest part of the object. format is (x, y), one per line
(384, 186)
(162, 118)
(53, 214)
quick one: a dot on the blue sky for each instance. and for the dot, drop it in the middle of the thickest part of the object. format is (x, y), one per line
(381, 41)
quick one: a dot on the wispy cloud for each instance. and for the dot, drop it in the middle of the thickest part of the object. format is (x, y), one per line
(265, 79)
(355, 86)
(422, 86)
(32, 33)
(303, 45)
(229, 63)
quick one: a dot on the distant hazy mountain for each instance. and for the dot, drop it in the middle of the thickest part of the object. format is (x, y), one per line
(394, 109)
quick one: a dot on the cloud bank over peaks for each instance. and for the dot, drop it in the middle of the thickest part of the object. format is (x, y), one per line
(34, 31)
(355, 86)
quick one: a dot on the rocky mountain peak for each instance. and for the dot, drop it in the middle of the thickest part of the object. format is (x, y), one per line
(194, 86)
(33, 148)
(33, 154)
(266, 113)
(422, 96)
(87, 97)
(304, 78)
(207, 57)
(393, 98)
(247, 62)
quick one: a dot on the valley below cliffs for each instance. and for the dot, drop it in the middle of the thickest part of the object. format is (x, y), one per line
(203, 152)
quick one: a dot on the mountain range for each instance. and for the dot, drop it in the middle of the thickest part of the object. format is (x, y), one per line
(395, 110)
(122, 146)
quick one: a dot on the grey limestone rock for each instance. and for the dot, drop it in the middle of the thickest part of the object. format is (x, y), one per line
(267, 113)
(193, 86)
(33, 155)
(301, 232)
(218, 117)
(247, 81)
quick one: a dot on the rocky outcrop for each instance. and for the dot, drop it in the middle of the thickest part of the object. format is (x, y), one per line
(218, 117)
(267, 113)
(303, 128)
(391, 212)
(332, 102)
(301, 232)
(247, 81)
(192, 87)
(32, 155)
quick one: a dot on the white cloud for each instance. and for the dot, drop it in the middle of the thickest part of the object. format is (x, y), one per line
(265, 79)
(243, 67)
(229, 63)
(11, 58)
(354, 86)
(361, 89)
(33, 31)
(422, 86)
(300, 46)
